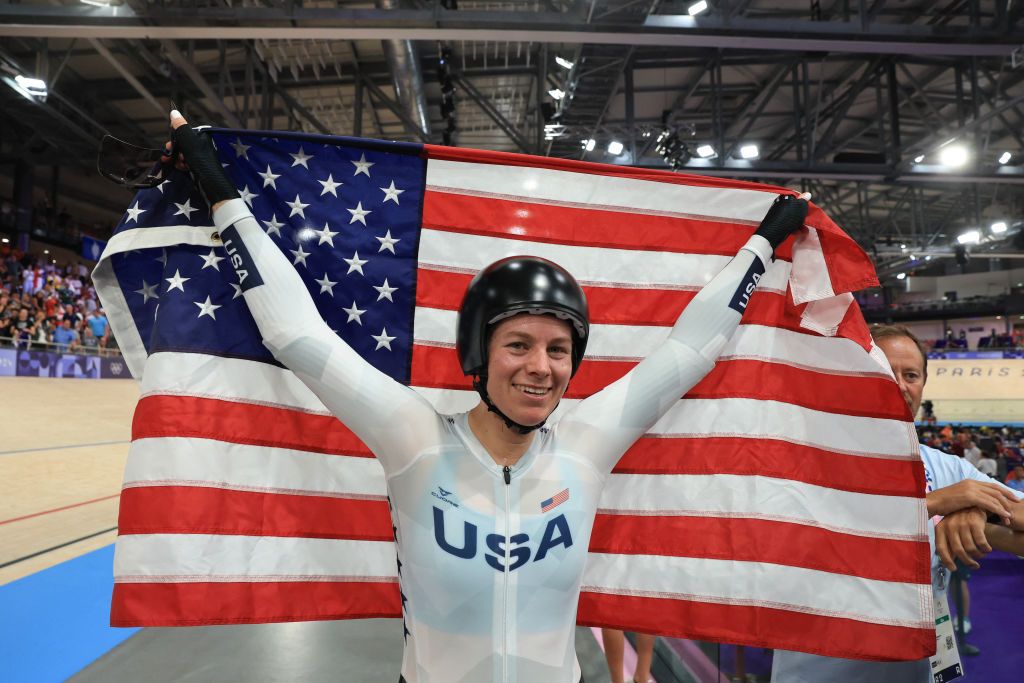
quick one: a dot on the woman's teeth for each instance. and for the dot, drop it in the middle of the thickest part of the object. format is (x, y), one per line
(533, 391)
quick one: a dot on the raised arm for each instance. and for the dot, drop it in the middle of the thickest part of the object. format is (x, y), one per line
(393, 420)
(607, 423)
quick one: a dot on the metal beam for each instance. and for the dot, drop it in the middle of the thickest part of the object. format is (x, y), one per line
(127, 75)
(396, 109)
(302, 23)
(495, 115)
(188, 68)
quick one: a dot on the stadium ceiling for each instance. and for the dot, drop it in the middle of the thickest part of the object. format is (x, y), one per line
(859, 102)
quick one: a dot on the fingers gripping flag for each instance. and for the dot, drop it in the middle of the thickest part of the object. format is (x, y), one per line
(779, 503)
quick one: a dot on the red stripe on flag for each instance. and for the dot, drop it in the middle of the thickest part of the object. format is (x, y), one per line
(759, 540)
(773, 458)
(438, 367)
(207, 510)
(584, 226)
(207, 603)
(245, 423)
(788, 630)
(617, 305)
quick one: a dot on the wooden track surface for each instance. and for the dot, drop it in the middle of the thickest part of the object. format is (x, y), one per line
(62, 456)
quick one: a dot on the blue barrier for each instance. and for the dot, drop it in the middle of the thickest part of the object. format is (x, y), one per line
(51, 364)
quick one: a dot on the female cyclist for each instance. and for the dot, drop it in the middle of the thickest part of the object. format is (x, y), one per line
(489, 573)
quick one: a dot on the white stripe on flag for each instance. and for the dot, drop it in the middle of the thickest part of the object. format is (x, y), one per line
(767, 498)
(204, 462)
(566, 188)
(211, 557)
(746, 583)
(629, 268)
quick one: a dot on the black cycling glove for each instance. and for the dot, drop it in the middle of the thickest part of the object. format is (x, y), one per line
(785, 217)
(202, 160)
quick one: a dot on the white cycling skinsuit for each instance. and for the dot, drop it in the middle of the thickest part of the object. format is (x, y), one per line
(489, 581)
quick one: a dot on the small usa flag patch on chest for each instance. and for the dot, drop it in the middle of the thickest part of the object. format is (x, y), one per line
(555, 500)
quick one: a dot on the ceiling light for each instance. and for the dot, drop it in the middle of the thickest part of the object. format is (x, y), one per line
(928, 257)
(5, 241)
(919, 158)
(903, 247)
(615, 148)
(556, 93)
(953, 156)
(46, 251)
(749, 151)
(999, 227)
(706, 152)
(97, 3)
(901, 276)
(697, 7)
(1005, 157)
(563, 62)
(969, 237)
(589, 144)
(31, 87)
(913, 258)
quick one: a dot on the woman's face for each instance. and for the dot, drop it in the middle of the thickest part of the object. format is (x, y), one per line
(529, 364)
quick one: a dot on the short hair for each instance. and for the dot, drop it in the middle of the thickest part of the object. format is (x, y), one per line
(880, 332)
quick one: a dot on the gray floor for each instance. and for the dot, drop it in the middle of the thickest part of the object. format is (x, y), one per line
(367, 650)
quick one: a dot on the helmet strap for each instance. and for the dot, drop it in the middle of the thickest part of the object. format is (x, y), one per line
(480, 384)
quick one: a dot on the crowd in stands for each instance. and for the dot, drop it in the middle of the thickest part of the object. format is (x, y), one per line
(44, 305)
(996, 452)
(994, 341)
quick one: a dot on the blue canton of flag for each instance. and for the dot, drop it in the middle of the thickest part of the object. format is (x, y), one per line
(347, 216)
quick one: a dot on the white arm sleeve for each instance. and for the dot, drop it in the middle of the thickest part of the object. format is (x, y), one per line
(606, 424)
(392, 420)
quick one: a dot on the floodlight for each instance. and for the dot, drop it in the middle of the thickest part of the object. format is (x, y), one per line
(919, 158)
(999, 227)
(615, 148)
(969, 237)
(697, 7)
(953, 156)
(706, 152)
(563, 62)
(901, 276)
(556, 93)
(1004, 158)
(749, 151)
(589, 144)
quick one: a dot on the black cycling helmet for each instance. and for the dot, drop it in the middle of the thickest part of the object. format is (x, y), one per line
(513, 285)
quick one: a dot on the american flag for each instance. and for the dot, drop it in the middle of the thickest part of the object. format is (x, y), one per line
(555, 500)
(778, 504)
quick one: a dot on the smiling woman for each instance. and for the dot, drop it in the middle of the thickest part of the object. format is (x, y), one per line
(492, 511)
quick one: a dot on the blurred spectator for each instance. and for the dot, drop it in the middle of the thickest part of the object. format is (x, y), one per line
(65, 337)
(972, 453)
(98, 325)
(987, 464)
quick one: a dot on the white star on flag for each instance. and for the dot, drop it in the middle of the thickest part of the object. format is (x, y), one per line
(385, 291)
(148, 292)
(273, 227)
(207, 308)
(391, 193)
(301, 158)
(388, 242)
(355, 263)
(211, 260)
(247, 196)
(240, 149)
(326, 235)
(354, 313)
(177, 282)
(135, 212)
(297, 207)
(363, 166)
(161, 186)
(185, 209)
(382, 339)
(269, 178)
(330, 185)
(300, 255)
(238, 290)
(359, 214)
(326, 285)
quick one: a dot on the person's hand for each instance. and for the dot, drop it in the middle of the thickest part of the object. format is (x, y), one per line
(196, 154)
(961, 535)
(988, 496)
(785, 216)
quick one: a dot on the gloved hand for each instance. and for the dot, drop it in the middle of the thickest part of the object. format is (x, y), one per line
(202, 161)
(785, 217)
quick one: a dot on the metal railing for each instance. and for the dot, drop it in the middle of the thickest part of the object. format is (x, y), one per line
(78, 349)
